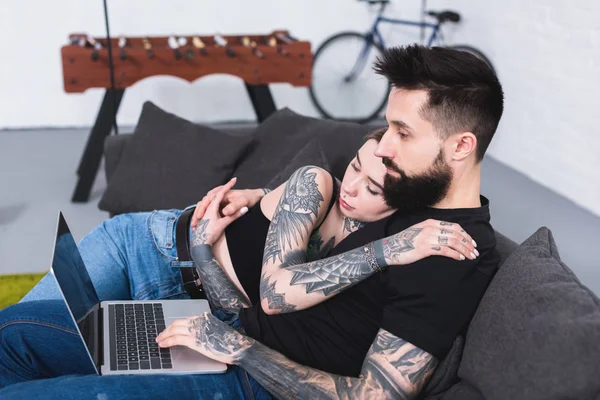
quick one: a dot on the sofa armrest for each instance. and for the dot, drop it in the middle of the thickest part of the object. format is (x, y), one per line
(114, 145)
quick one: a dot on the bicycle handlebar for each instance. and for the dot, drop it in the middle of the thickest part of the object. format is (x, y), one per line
(376, 1)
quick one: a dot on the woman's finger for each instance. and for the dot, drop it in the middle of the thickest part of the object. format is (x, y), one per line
(200, 209)
(452, 229)
(230, 184)
(446, 252)
(230, 218)
(234, 206)
(456, 244)
(203, 205)
(215, 204)
(455, 240)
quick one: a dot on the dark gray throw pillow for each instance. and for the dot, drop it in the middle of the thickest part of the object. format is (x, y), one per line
(311, 154)
(444, 375)
(170, 163)
(280, 136)
(536, 332)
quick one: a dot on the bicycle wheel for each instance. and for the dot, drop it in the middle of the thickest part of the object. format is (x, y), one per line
(344, 85)
(475, 52)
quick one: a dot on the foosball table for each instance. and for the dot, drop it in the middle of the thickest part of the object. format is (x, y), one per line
(116, 64)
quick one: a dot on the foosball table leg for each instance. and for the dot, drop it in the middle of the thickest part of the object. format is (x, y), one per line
(262, 101)
(94, 148)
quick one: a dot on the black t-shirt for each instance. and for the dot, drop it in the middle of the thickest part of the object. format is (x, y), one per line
(427, 303)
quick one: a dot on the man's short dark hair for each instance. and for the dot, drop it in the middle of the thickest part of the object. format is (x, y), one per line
(464, 93)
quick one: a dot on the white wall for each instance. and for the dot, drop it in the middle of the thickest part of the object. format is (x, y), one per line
(546, 53)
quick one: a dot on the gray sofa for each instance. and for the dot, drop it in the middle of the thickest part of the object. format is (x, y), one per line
(536, 332)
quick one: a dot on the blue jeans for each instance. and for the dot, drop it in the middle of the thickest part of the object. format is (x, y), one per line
(130, 256)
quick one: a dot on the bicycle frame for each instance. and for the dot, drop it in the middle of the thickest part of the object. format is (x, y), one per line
(374, 36)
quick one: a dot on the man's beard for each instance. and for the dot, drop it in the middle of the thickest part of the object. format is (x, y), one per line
(413, 193)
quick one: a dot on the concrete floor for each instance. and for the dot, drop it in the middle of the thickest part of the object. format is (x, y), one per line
(38, 177)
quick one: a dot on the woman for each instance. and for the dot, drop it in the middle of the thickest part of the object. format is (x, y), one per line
(133, 255)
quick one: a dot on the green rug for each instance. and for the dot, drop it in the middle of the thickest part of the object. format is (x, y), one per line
(14, 287)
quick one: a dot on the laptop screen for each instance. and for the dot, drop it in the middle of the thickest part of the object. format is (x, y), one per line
(77, 289)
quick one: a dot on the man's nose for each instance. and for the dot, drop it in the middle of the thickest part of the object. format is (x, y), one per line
(385, 148)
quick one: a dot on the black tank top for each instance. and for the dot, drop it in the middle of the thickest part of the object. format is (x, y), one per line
(246, 239)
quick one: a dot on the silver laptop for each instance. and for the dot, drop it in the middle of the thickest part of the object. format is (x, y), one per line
(119, 336)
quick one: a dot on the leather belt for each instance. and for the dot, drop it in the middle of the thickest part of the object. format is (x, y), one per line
(189, 275)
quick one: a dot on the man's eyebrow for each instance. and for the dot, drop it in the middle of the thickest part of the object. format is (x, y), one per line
(400, 124)
(358, 159)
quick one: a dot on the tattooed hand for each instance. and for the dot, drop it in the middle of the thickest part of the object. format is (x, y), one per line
(212, 225)
(233, 201)
(207, 335)
(428, 238)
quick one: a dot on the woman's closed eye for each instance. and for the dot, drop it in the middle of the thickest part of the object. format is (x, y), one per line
(373, 192)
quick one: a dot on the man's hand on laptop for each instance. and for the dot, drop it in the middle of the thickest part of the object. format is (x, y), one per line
(207, 335)
(232, 202)
(425, 239)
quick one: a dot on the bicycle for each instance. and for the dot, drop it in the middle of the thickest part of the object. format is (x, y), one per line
(359, 95)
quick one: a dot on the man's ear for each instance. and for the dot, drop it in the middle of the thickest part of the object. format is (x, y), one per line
(463, 145)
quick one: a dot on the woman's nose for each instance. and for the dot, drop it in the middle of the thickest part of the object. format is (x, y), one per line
(350, 187)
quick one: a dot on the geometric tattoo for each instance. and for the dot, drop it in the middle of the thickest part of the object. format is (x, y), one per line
(275, 301)
(399, 243)
(294, 213)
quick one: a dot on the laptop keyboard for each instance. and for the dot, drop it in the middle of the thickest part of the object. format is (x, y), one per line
(133, 330)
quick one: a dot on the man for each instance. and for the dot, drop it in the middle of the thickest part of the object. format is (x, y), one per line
(383, 322)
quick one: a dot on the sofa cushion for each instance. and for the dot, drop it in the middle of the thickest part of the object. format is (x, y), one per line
(170, 163)
(310, 154)
(445, 375)
(279, 137)
(536, 331)
(461, 391)
(276, 141)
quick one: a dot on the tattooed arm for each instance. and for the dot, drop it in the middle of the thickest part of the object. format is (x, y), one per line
(301, 207)
(393, 368)
(297, 285)
(221, 293)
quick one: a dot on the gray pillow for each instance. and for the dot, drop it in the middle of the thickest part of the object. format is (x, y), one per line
(536, 332)
(276, 141)
(461, 391)
(170, 163)
(280, 136)
(444, 375)
(311, 154)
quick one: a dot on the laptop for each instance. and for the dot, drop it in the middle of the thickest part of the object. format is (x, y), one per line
(119, 336)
